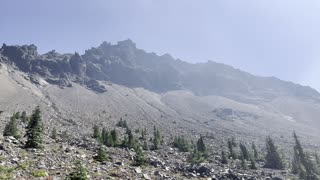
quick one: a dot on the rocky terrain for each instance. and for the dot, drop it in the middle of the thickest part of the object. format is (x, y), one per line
(76, 92)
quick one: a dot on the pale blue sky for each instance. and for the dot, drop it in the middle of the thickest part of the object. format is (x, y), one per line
(265, 37)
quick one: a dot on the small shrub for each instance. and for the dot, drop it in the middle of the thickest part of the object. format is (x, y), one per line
(39, 173)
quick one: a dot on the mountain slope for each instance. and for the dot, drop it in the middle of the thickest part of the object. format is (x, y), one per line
(114, 81)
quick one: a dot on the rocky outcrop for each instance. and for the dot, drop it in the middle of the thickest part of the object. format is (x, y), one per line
(125, 64)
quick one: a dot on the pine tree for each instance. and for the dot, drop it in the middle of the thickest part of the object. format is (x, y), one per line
(122, 123)
(131, 139)
(196, 157)
(143, 134)
(181, 143)
(255, 151)
(243, 163)
(224, 159)
(54, 133)
(253, 164)
(233, 142)
(244, 152)
(104, 135)
(24, 118)
(80, 172)
(97, 133)
(231, 146)
(145, 146)
(273, 159)
(125, 142)
(317, 158)
(156, 138)
(201, 146)
(140, 157)
(115, 137)
(302, 163)
(16, 115)
(34, 130)
(11, 128)
(101, 155)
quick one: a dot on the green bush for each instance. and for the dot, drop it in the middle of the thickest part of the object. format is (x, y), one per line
(39, 173)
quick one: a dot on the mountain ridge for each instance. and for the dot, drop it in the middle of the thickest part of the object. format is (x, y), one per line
(123, 63)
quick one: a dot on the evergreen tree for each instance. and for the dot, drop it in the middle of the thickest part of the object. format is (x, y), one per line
(131, 139)
(80, 172)
(181, 143)
(101, 155)
(104, 135)
(122, 123)
(107, 138)
(34, 130)
(24, 118)
(233, 142)
(196, 157)
(244, 152)
(302, 164)
(317, 158)
(156, 138)
(145, 146)
(54, 133)
(224, 159)
(143, 134)
(253, 164)
(115, 137)
(125, 142)
(201, 146)
(273, 159)
(11, 128)
(16, 115)
(255, 151)
(231, 146)
(140, 157)
(243, 163)
(97, 133)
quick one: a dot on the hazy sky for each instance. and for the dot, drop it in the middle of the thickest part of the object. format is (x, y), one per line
(265, 37)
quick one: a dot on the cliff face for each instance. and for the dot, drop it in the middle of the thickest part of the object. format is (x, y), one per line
(127, 65)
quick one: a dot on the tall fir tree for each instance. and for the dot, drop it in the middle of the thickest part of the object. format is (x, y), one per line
(273, 159)
(101, 154)
(224, 159)
(244, 152)
(24, 118)
(34, 130)
(255, 151)
(11, 128)
(79, 173)
(97, 133)
(115, 137)
(140, 158)
(156, 138)
(231, 147)
(201, 146)
(181, 143)
(253, 164)
(143, 134)
(54, 133)
(317, 158)
(302, 164)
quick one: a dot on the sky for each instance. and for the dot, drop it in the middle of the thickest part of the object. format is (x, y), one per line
(264, 37)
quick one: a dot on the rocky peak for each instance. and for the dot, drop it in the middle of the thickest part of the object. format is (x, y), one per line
(124, 64)
(78, 65)
(126, 44)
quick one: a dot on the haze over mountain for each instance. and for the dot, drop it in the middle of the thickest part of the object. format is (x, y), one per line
(115, 82)
(201, 92)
